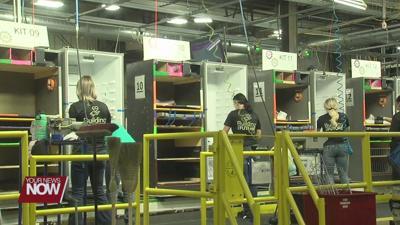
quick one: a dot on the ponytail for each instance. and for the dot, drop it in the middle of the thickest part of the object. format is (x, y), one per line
(334, 117)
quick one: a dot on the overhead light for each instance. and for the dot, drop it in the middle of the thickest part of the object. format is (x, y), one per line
(103, 5)
(113, 7)
(277, 34)
(398, 48)
(8, 16)
(202, 19)
(359, 4)
(50, 3)
(239, 45)
(177, 20)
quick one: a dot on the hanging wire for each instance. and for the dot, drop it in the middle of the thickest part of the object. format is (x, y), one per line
(156, 18)
(251, 60)
(338, 59)
(33, 12)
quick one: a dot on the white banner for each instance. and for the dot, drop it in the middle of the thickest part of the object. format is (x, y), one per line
(283, 61)
(22, 35)
(364, 68)
(165, 49)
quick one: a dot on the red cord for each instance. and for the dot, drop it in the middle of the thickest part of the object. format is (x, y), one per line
(33, 12)
(156, 18)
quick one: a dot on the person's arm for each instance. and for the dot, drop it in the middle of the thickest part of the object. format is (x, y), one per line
(227, 129)
(258, 129)
(319, 124)
(72, 112)
(229, 122)
(258, 134)
(108, 115)
(394, 126)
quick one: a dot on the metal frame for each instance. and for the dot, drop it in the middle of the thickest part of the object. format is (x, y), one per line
(223, 151)
(33, 212)
(23, 135)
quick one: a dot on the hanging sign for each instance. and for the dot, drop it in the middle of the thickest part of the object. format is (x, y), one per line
(259, 91)
(275, 60)
(140, 87)
(364, 68)
(349, 97)
(165, 49)
(22, 35)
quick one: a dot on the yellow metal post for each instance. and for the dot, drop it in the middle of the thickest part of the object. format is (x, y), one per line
(257, 214)
(137, 199)
(229, 212)
(296, 210)
(284, 208)
(237, 169)
(366, 161)
(146, 180)
(321, 211)
(32, 206)
(219, 181)
(24, 169)
(203, 188)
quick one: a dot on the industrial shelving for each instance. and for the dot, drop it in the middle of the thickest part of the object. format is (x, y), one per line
(371, 99)
(166, 97)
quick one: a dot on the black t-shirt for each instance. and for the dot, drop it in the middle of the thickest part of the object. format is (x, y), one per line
(244, 122)
(97, 112)
(395, 127)
(324, 122)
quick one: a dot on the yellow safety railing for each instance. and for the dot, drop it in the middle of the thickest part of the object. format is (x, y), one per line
(264, 199)
(222, 152)
(23, 136)
(286, 198)
(33, 212)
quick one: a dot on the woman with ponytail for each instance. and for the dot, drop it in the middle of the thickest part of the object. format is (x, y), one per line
(243, 120)
(336, 150)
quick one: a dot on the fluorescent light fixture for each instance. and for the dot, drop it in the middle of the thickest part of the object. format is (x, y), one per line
(239, 45)
(277, 34)
(113, 8)
(398, 48)
(178, 21)
(50, 3)
(359, 4)
(8, 16)
(204, 19)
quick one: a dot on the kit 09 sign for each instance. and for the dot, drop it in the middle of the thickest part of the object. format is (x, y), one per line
(22, 35)
(43, 189)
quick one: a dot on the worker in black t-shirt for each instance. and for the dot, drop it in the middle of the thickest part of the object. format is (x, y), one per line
(336, 150)
(395, 127)
(243, 120)
(91, 111)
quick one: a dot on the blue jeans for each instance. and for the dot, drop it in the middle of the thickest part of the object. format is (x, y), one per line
(80, 171)
(336, 154)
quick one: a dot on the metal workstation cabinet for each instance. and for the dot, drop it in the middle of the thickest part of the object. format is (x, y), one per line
(107, 71)
(368, 100)
(221, 82)
(326, 85)
(286, 96)
(26, 89)
(166, 97)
